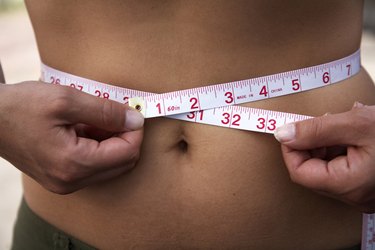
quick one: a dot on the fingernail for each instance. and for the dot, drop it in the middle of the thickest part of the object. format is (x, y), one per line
(357, 105)
(133, 120)
(328, 113)
(286, 132)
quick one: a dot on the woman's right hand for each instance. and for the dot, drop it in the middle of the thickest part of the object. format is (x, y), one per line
(66, 139)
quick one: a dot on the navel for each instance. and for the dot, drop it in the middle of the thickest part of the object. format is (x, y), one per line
(183, 146)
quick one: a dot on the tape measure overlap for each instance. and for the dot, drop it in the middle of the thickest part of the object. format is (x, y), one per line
(217, 104)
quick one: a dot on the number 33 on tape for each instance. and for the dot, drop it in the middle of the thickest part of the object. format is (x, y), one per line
(216, 104)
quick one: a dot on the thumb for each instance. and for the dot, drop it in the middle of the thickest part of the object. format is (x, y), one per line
(323, 131)
(99, 112)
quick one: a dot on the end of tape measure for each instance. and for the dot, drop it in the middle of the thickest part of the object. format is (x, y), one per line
(138, 104)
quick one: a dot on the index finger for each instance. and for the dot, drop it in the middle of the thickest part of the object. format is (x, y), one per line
(113, 152)
(315, 173)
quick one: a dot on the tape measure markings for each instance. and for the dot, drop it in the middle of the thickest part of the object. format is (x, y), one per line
(244, 118)
(214, 104)
(226, 114)
(368, 232)
(260, 88)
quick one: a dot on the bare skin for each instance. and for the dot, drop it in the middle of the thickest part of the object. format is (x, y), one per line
(224, 188)
(82, 153)
(334, 155)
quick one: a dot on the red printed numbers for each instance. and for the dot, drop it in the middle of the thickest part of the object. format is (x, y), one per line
(271, 124)
(55, 80)
(104, 95)
(191, 115)
(296, 85)
(326, 77)
(263, 91)
(226, 119)
(76, 86)
(349, 68)
(229, 96)
(194, 103)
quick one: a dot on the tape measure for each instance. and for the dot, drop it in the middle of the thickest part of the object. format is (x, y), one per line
(368, 232)
(216, 104)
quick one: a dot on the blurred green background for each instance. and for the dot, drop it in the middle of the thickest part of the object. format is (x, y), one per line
(6, 5)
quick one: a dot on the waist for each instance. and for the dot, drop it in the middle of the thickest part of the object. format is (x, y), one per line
(192, 44)
(223, 188)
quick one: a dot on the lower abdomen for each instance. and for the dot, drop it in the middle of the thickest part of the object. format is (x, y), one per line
(225, 189)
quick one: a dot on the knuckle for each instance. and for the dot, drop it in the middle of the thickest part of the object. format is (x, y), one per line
(316, 126)
(62, 173)
(109, 111)
(61, 101)
(61, 176)
(65, 177)
(60, 189)
(55, 185)
(363, 121)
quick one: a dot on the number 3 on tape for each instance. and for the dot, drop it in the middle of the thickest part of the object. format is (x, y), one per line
(206, 104)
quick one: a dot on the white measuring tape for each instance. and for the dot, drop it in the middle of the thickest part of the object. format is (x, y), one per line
(215, 104)
(368, 232)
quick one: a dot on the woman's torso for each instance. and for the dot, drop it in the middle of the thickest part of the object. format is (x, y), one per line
(225, 188)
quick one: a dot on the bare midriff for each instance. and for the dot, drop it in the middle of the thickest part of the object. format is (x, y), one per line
(199, 186)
